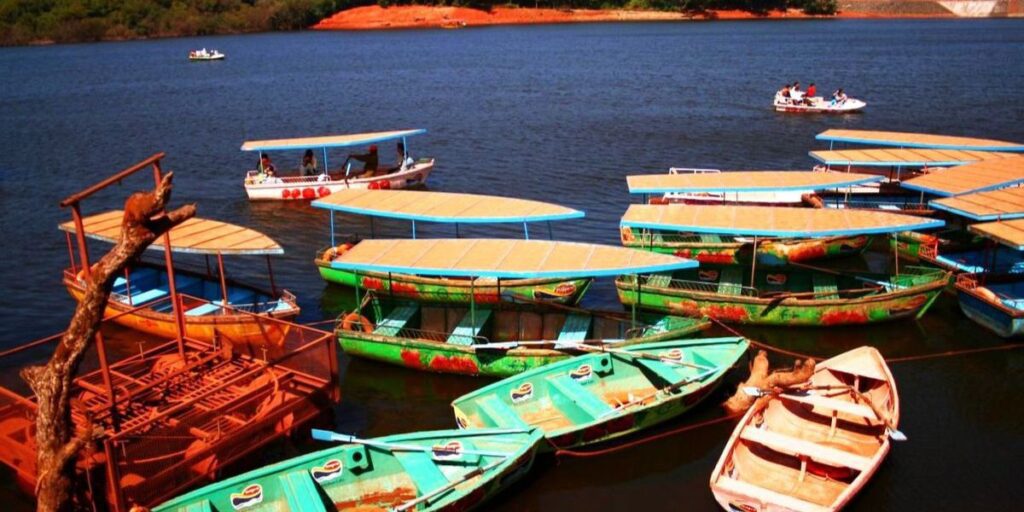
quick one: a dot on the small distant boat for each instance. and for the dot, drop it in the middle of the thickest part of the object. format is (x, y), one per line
(812, 448)
(606, 394)
(817, 105)
(439, 470)
(453, 24)
(204, 54)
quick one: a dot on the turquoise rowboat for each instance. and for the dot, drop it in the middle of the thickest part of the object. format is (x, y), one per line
(439, 470)
(605, 394)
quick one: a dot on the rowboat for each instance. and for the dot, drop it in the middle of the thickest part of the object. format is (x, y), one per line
(499, 338)
(451, 209)
(914, 140)
(812, 448)
(605, 394)
(214, 307)
(728, 235)
(994, 297)
(438, 470)
(205, 55)
(817, 105)
(261, 185)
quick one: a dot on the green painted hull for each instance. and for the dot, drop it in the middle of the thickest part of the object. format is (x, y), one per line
(912, 295)
(601, 396)
(426, 289)
(348, 476)
(724, 250)
(431, 350)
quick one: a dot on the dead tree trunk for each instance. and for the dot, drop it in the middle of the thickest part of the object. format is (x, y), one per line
(760, 378)
(57, 443)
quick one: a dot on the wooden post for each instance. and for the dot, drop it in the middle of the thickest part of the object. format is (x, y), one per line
(753, 264)
(223, 280)
(172, 285)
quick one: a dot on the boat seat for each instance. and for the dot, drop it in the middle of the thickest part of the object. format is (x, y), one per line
(301, 493)
(464, 333)
(833, 404)
(889, 207)
(730, 281)
(665, 371)
(767, 495)
(204, 309)
(396, 320)
(659, 280)
(825, 287)
(575, 328)
(422, 469)
(580, 395)
(706, 238)
(796, 446)
(202, 506)
(500, 413)
(149, 296)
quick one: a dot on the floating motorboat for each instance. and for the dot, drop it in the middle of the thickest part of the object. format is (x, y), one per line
(817, 105)
(204, 54)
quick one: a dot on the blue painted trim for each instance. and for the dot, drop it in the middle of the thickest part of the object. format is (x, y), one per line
(680, 190)
(939, 192)
(683, 264)
(918, 145)
(357, 142)
(957, 211)
(872, 163)
(574, 214)
(925, 224)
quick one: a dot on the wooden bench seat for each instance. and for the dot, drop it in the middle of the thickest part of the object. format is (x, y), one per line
(768, 496)
(301, 493)
(500, 413)
(832, 404)
(469, 328)
(795, 446)
(575, 328)
(396, 320)
(422, 469)
(580, 395)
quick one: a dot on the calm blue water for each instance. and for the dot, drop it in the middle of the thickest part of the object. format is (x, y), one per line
(558, 113)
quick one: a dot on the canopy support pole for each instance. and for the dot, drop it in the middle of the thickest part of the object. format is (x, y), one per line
(456, 230)
(326, 168)
(896, 254)
(179, 316)
(270, 272)
(413, 229)
(472, 301)
(128, 286)
(373, 232)
(358, 298)
(526, 230)
(333, 244)
(391, 286)
(223, 280)
(636, 283)
(753, 264)
(551, 234)
(207, 258)
(71, 253)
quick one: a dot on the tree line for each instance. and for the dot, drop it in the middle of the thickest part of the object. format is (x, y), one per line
(62, 21)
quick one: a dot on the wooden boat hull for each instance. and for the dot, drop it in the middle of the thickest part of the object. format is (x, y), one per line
(822, 106)
(769, 253)
(430, 351)
(811, 451)
(579, 401)
(430, 289)
(790, 311)
(359, 477)
(236, 327)
(311, 187)
(982, 306)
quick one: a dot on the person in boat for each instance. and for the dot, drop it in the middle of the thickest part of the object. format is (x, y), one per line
(370, 162)
(402, 159)
(811, 91)
(265, 168)
(795, 93)
(783, 94)
(838, 97)
(308, 166)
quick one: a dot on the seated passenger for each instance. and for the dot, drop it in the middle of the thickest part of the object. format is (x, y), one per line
(369, 162)
(402, 161)
(308, 166)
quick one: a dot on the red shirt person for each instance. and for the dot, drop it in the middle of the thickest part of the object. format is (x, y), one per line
(811, 90)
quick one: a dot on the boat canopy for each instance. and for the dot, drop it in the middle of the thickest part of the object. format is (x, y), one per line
(329, 141)
(1007, 232)
(771, 220)
(744, 181)
(976, 177)
(444, 207)
(991, 205)
(194, 236)
(904, 157)
(916, 140)
(503, 258)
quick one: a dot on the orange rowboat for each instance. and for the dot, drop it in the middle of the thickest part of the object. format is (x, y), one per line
(812, 449)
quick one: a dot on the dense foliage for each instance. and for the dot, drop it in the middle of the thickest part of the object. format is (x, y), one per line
(26, 21)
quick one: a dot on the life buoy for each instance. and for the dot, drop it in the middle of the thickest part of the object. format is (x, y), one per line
(352, 318)
(626, 233)
(308, 193)
(323, 191)
(384, 184)
(285, 194)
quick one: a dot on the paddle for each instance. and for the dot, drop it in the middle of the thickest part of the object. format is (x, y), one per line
(667, 389)
(645, 355)
(846, 274)
(327, 435)
(890, 429)
(509, 345)
(472, 474)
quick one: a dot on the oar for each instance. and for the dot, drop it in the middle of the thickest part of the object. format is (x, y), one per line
(440, 490)
(890, 429)
(667, 389)
(508, 345)
(327, 435)
(845, 274)
(645, 355)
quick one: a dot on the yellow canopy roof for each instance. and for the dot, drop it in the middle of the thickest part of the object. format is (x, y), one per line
(502, 258)
(328, 141)
(916, 140)
(744, 181)
(196, 235)
(1006, 203)
(444, 206)
(976, 177)
(904, 157)
(771, 220)
(1006, 232)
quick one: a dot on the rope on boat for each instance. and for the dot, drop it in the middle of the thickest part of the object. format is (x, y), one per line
(685, 428)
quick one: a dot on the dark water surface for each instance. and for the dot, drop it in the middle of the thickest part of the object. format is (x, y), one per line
(559, 113)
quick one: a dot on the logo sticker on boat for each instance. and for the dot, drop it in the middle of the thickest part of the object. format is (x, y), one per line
(582, 374)
(565, 289)
(675, 355)
(251, 495)
(329, 471)
(776, 278)
(449, 450)
(521, 394)
(461, 419)
(708, 275)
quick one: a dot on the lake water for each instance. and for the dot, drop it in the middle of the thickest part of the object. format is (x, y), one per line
(558, 113)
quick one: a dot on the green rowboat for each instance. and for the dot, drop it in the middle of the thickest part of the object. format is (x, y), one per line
(440, 470)
(603, 395)
(786, 297)
(496, 341)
